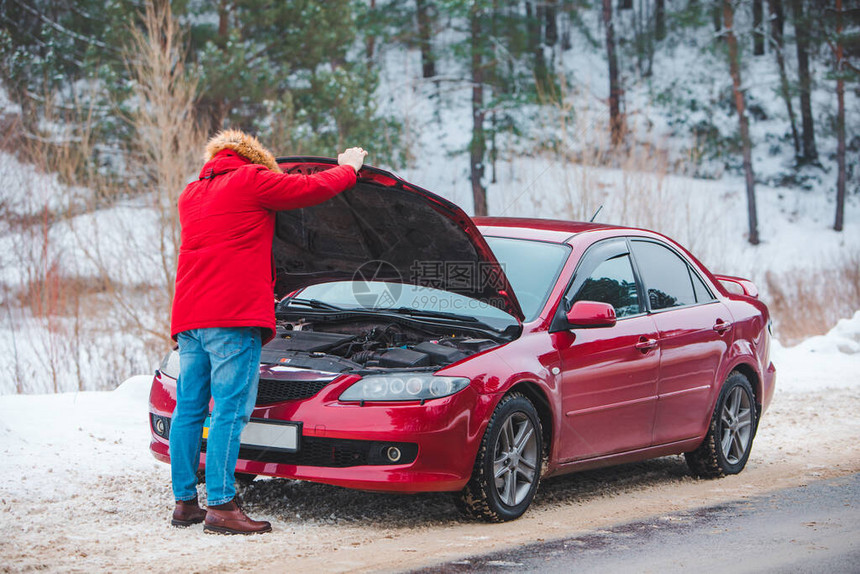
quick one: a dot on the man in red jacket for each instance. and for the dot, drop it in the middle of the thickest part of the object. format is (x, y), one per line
(223, 311)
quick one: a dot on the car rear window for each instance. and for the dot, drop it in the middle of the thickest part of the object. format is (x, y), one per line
(666, 276)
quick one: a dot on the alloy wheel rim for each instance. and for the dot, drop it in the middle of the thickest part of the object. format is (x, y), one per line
(515, 460)
(736, 419)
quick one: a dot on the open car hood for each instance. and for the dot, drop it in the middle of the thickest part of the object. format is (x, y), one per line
(423, 239)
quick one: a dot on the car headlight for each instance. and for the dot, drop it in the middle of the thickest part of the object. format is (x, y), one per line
(170, 364)
(408, 387)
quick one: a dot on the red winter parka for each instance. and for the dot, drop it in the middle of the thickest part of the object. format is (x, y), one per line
(224, 276)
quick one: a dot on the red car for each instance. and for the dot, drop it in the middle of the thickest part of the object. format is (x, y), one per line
(421, 350)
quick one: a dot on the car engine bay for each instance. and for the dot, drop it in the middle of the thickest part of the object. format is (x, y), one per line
(365, 346)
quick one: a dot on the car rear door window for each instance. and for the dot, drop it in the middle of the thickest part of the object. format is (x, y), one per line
(613, 282)
(665, 274)
(703, 295)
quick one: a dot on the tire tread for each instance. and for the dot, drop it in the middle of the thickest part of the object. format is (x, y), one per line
(474, 499)
(704, 462)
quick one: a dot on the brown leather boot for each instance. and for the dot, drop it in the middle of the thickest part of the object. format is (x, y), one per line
(187, 512)
(230, 519)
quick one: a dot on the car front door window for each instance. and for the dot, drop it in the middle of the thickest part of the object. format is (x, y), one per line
(613, 282)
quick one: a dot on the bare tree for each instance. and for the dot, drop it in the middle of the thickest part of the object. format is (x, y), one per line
(616, 120)
(169, 138)
(740, 106)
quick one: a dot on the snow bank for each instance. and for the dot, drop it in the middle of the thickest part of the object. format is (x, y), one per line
(53, 443)
(826, 361)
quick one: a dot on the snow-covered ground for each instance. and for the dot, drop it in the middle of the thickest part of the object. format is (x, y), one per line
(80, 492)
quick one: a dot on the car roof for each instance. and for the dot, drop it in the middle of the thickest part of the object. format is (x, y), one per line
(552, 230)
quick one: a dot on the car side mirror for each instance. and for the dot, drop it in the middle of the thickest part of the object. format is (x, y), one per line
(591, 314)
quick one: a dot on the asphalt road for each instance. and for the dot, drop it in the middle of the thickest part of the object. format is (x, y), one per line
(814, 528)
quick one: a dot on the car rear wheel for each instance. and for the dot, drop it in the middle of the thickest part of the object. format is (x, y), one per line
(727, 445)
(507, 469)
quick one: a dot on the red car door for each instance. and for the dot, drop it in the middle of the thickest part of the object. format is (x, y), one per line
(695, 331)
(609, 374)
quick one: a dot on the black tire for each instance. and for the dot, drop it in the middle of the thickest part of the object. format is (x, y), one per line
(727, 445)
(512, 446)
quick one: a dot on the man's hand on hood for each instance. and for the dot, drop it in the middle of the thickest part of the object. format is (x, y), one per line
(353, 156)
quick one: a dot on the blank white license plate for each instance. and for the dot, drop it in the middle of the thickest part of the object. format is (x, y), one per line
(283, 436)
(257, 434)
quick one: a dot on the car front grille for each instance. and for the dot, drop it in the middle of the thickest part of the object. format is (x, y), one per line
(274, 391)
(333, 453)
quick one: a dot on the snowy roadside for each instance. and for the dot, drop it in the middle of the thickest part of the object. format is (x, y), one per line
(828, 361)
(79, 490)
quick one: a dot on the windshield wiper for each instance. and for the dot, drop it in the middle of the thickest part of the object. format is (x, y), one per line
(323, 306)
(312, 303)
(475, 322)
(427, 313)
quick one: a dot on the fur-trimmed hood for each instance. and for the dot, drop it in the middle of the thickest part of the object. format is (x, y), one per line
(247, 146)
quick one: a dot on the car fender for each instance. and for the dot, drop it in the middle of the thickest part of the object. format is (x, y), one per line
(740, 356)
(529, 360)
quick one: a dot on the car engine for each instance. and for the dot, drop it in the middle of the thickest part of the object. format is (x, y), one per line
(363, 346)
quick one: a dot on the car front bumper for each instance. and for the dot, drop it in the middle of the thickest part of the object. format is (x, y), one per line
(343, 444)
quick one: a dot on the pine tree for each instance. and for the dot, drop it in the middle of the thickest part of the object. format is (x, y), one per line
(758, 27)
(740, 106)
(660, 20)
(47, 48)
(843, 38)
(840, 121)
(497, 59)
(425, 13)
(809, 152)
(777, 20)
(262, 70)
(616, 120)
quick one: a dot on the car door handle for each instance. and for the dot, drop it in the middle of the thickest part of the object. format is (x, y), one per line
(646, 345)
(721, 326)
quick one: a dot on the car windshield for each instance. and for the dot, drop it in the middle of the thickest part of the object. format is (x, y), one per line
(532, 268)
(407, 299)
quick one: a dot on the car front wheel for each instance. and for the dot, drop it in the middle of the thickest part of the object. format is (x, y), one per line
(507, 469)
(727, 445)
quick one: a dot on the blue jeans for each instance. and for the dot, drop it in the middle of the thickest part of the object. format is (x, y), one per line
(224, 364)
